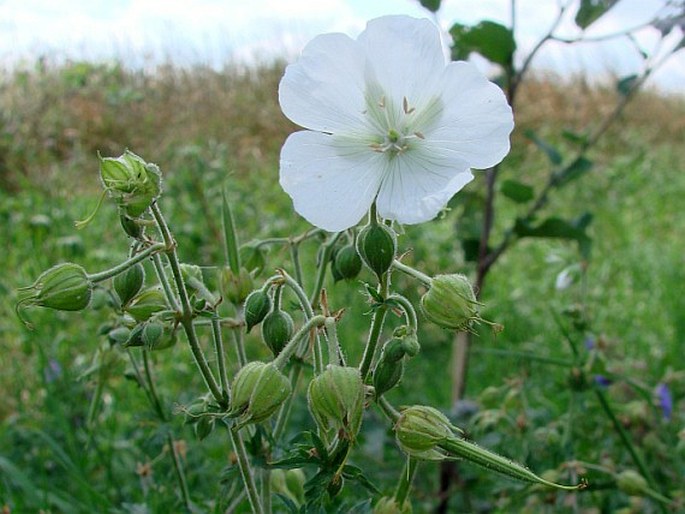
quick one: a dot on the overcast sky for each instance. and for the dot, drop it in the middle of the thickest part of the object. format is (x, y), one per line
(146, 32)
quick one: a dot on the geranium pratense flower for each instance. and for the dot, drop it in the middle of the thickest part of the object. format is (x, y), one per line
(390, 120)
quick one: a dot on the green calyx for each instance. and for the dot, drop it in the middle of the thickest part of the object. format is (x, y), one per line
(451, 303)
(146, 303)
(347, 263)
(259, 388)
(377, 247)
(65, 287)
(257, 306)
(277, 330)
(131, 182)
(336, 399)
(128, 284)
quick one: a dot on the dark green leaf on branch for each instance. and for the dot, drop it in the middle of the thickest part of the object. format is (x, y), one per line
(493, 41)
(625, 85)
(573, 171)
(517, 191)
(431, 5)
(558, 228)
(552, 153)
(591, 10)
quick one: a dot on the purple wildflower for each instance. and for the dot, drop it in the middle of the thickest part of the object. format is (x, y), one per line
(664, 400)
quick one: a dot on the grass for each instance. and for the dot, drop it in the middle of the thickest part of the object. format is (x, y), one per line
(209, 128)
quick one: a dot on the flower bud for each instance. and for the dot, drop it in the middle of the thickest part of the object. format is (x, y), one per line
(450, 302)
(377, 246)
(128, 283)
(259, 388)
(235, 287)
(158, 336)
(631, 483)
(388, 505)
(147, 303)
(65, 287)
(420, 429)
(336, 398)
(257, 306)
(131, 182)
(387, 375)
(347, 263)
(277, 329)
(289, 483)
(131, 226)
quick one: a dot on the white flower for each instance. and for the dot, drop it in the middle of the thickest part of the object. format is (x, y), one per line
(390, 120)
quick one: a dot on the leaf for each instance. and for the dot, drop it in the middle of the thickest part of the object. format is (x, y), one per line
(517, 191)
(493, 41)
(552, 153)
(573, 171)
(558, 228)
(625, 85)
(471, 248)
(356, 474)
(232, 254)
(591, 10)
(289, 504)
(575, 137)
(431, 5)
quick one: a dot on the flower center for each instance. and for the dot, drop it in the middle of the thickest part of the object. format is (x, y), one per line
(393, 140)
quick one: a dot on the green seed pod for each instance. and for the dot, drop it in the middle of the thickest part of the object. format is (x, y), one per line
(450, 302)
(131, 182)
(420, 429)
(204, 427)
(118, 335)
(128, 283)
(347, 263)
(257, 306)
(336, 398)
(131, 227)
(387, 375)
(146, 304)
(135, 336)
(277, 330)
(65, 287)
(393, 350)
(411, 346)
(377, 246)
(388, 505)
(158, 336)
(235, 288)
(259, 388)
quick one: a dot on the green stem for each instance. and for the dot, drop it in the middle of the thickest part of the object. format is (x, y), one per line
(282, 358)
(408, 308)
(154, 397)
(239, 347)
(119, 268)
(297, 266)
(406, 479)
(266, 490)
(245, 471)
(95, 400)
(187, 311)
(166, 287)
(374, 334)
(389, 411)
(422, 277)
(180, 474)
(333, 345)
(220, 355)
(323, 265)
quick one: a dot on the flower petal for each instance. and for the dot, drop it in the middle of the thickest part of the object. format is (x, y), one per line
(476, 120)
(324, 89)
(405, 55)
(332, 180)
(418, 184)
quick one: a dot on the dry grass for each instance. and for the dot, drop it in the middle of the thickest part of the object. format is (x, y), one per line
(57, 118)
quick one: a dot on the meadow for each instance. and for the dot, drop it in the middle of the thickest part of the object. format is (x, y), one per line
(76, 432)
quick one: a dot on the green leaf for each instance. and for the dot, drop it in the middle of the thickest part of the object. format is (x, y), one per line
(559, 228)
(493, 41)
(552, 153)
(517, 191)
(575, 137)
(354, 473)
(471, 248)
(591, 10)
(573, 171)
(625, 85)
(230, 235)
(431, 5)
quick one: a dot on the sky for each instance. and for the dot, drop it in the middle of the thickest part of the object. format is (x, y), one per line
(149, 32)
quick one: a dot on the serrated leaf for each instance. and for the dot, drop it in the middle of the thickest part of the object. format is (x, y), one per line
(552, 153)
(573, 171)
(431, 5)
(517, 191)
(492, 40)
(625, 85)
(591, 10)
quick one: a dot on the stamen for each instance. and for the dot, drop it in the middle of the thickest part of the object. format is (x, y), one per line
(381, 102)
(405, 106)
(419, 135)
